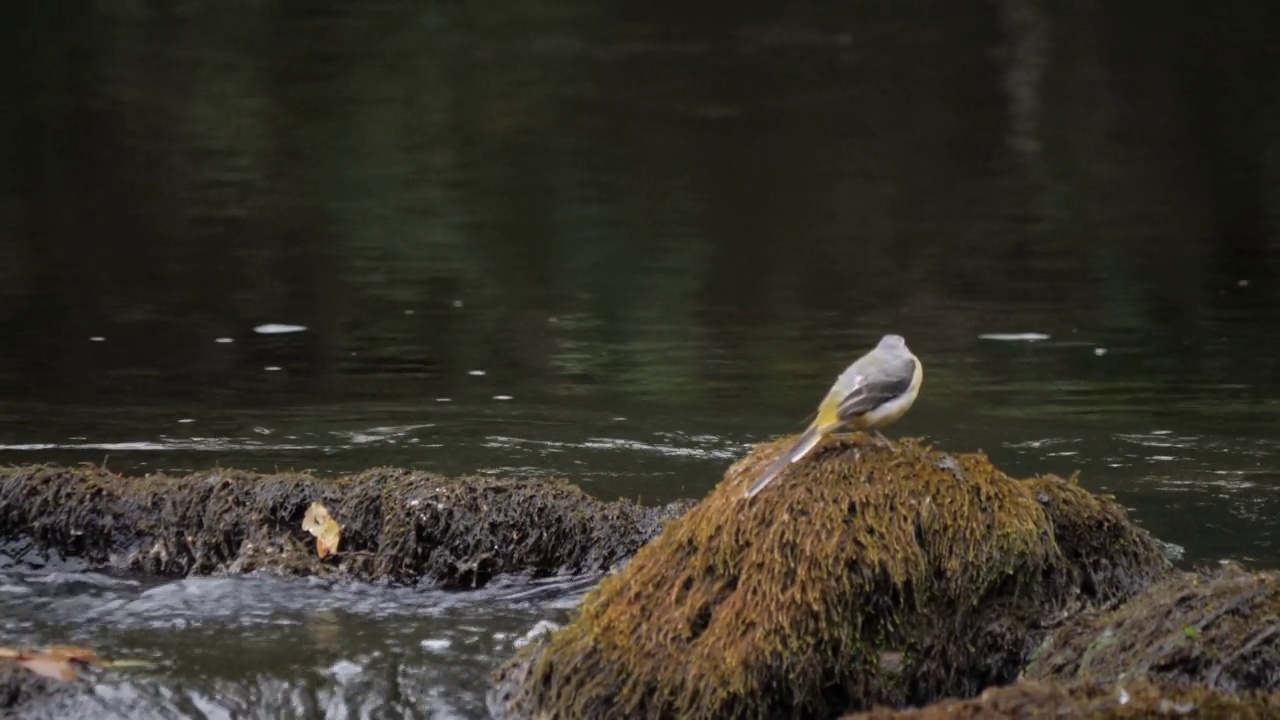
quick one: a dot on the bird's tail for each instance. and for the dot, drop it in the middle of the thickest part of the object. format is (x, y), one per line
(797, 451)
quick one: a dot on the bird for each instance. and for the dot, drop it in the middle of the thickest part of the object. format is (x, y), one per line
(874, 391)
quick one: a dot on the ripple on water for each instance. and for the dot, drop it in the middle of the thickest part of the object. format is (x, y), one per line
(263, 646)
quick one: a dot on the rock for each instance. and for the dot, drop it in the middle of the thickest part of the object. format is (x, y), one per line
(861, 576)
(396, 524)
(1211, 629)
(1079, 700)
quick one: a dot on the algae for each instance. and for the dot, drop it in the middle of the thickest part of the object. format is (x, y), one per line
(1217, 629)
(862, 575)
(1077, 700)
(397, 524)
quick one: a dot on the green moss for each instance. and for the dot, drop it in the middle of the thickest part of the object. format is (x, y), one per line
(397, 525)
(861, 575)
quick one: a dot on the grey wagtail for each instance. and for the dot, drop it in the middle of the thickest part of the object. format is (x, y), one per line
(877, 389)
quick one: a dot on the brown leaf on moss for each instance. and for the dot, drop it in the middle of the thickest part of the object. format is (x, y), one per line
(327, 531)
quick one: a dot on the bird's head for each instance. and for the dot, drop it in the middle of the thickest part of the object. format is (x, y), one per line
(892, 342)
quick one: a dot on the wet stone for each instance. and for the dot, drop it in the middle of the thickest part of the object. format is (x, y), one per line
(1217, 629)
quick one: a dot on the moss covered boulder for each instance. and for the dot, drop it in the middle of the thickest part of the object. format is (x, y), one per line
(1217, 630)
(1079, 700)
(862, 575)
(396, 524)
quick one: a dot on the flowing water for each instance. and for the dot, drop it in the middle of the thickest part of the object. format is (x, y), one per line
(617, 245)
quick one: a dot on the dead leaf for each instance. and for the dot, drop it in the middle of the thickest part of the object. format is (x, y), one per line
(327, 531)
(58, 662)
(74, 653)
(62, 661)
(49, 666)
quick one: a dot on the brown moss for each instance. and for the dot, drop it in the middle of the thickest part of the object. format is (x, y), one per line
(1077, 700)
(862, 575)
(1097, 538)
(397, 524)
(1215, 629)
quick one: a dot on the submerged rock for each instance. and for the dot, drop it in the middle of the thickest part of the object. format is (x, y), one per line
(861, 576)
(396, 524)
(1092, 701)
(1217, 630)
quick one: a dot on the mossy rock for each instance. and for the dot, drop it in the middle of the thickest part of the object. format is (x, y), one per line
(1032, 699)
(862, 575)
(1215, 629)
(396, 524)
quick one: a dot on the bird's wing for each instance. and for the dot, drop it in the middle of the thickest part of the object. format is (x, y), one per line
(876, 388)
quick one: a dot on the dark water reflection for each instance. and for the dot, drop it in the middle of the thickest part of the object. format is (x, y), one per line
(619, 244)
